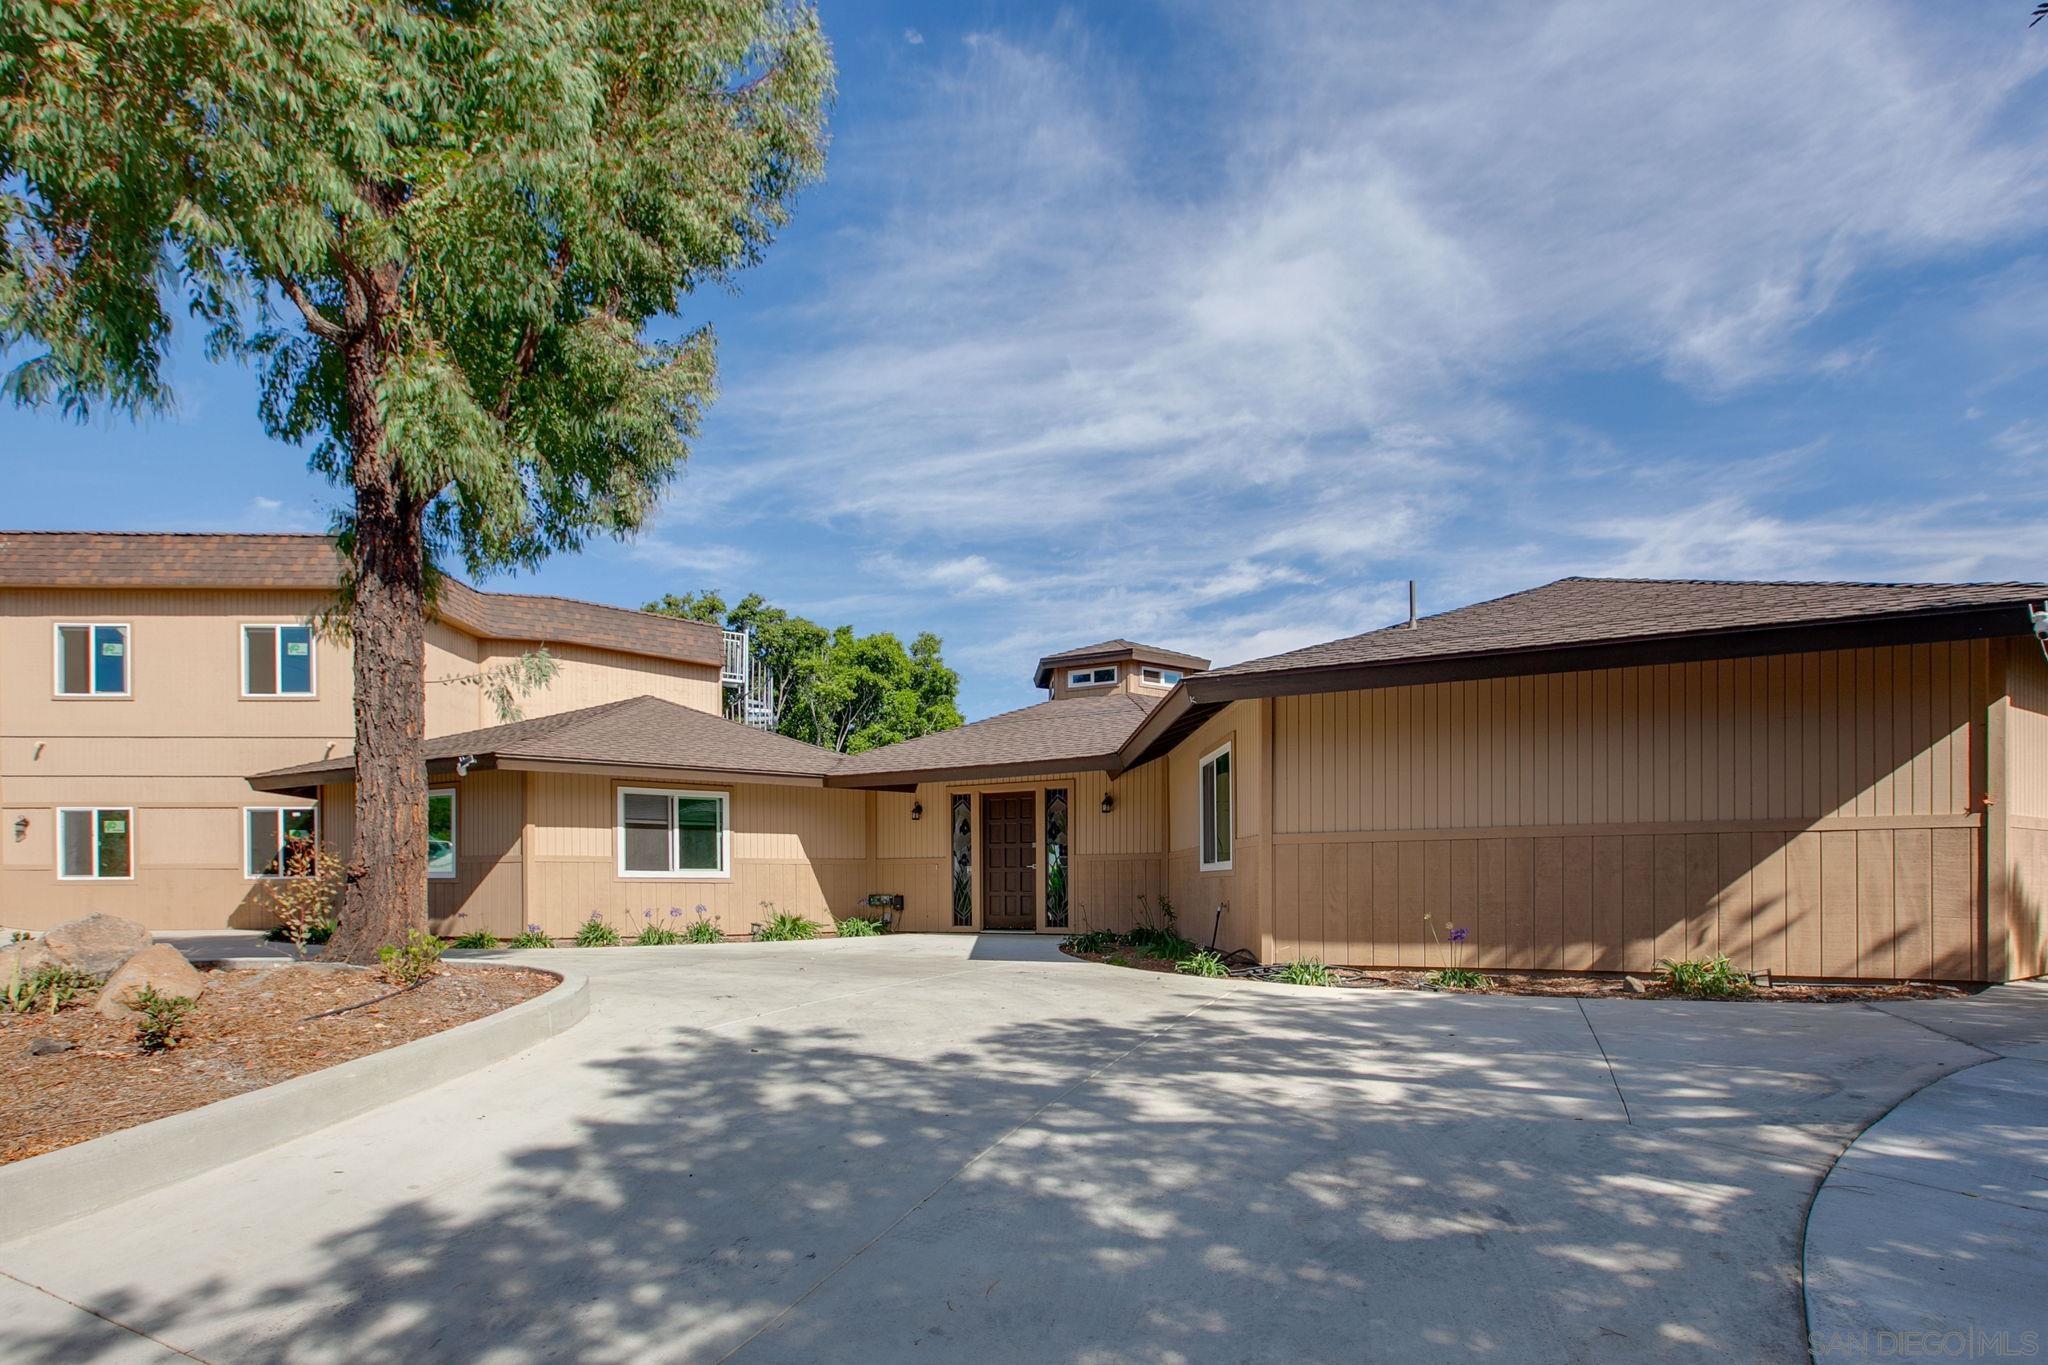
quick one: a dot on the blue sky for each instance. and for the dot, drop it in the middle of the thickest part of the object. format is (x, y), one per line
(1212, 324)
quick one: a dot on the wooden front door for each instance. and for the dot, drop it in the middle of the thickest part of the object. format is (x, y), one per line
(1009, 861)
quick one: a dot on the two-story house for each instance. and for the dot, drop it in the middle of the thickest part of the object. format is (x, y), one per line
(145, 677)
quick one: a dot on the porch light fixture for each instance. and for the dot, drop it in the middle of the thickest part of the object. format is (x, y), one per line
(1108, 803)
(917, 810)
(21, 829)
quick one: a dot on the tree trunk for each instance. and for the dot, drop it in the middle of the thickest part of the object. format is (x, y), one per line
(387, 866)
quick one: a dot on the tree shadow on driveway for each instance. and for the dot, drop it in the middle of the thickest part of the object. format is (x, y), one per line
(1259, 1174)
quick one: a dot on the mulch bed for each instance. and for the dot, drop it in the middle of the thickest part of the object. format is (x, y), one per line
(1558, 984)
(253, 1027)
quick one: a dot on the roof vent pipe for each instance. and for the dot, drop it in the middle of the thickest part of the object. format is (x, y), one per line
(1411, 604)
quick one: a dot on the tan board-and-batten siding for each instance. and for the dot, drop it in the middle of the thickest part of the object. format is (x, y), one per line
(1807, 814)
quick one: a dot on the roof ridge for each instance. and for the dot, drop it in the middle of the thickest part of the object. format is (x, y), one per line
(1793, 582)
(209, 535)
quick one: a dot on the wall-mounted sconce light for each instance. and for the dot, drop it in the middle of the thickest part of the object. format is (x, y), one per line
(917, 810)
(21, 829)
(1108, 803)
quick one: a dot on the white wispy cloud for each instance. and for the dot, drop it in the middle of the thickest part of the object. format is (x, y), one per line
(1109, 350)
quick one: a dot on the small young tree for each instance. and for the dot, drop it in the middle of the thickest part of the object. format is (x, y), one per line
(443, 231)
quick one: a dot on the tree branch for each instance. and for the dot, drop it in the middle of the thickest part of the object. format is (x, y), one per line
(317, 322)
(529, 344)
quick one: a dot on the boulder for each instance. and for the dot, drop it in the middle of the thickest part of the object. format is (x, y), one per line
(162, 967)
(46, 1047)
(97, 943)
(26, 958)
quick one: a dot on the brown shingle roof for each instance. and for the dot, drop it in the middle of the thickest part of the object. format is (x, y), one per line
(1108, 651)
(1583, 614)
(164, 559)
(1053, 736)
(639, 732)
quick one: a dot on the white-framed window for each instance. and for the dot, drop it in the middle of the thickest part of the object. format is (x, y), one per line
(279, 841)
(441, 846)
(668, 833)
(1218, 811)
(92, 659)
(1091, 677)
(277, 661)
(1159, 677)
(96, 844)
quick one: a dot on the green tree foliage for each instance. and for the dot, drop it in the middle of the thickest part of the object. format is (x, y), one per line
(444, 232)
(844, 691)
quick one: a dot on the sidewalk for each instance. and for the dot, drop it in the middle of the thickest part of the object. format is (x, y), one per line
(1930, 1235)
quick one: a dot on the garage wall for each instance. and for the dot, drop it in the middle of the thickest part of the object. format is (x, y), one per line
(1812, 814)
(2026, 907)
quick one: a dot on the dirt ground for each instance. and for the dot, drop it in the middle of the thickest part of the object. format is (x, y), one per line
(253, 1027)
(1562, 983)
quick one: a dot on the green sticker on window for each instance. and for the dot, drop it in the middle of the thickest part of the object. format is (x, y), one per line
(111, 648)
(295, 648)
(113, 826)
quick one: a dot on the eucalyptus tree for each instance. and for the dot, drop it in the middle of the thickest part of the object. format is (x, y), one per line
(449, 234)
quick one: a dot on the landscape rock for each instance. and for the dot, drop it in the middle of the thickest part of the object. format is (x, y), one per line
(26, 958)
(162, 967)
(1634, 986)
(97, 943)
(43, 1047)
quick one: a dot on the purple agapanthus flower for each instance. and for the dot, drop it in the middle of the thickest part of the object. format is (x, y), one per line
(675, 912)
(1458, 935)
(646, 914)
(533, 928)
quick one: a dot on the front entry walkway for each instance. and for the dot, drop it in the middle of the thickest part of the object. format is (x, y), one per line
(976, 1150)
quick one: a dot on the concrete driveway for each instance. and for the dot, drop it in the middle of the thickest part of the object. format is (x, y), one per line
(976, 1150)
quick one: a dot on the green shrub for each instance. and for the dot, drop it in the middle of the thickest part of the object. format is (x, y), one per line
(703, 931)
(784, 927)
(49, 987)
(413, 961)
(1202, 963)
(476, 938)
(654, 935)
(317, 931)
(1308, 971)
(1458, 979)
(533, 937)
(1094, 941)
(595, 933)
(162, 1024)
(1704, 978)
(1162, 943)
(857, 927)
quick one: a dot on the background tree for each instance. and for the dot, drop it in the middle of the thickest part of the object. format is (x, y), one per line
(844, 691)
(442, 230)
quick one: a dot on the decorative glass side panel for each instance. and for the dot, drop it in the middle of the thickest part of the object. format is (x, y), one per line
(1055, 857)
(963, 861)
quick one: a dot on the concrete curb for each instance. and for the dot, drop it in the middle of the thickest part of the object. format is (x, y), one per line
(74, 1181)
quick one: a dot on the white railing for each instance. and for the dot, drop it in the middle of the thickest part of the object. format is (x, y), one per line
(752, 698)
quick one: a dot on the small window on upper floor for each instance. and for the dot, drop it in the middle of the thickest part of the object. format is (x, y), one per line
(277, 661)
(1159, 677)
(1091, 677)
(92, 661)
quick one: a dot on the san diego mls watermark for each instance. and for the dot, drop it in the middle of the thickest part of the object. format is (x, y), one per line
(1962, 1343)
